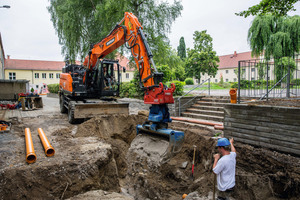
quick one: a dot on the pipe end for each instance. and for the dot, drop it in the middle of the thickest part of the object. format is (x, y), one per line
(31, 158)
(50, 152)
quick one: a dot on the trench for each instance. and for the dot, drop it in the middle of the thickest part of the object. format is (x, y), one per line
(104, 154)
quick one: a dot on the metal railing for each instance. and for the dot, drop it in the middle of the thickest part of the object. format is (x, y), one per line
(197, 86)
(264, 79)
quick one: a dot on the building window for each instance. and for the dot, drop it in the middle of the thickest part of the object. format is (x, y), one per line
(234, 80)
(227, 71)
(216, 80)
(44, 75)
(202, 81)
(127, 75)
(12, 75)
(51, 75)
(57, 75)
(252, 69)
(226, 79)
(252, 78)
(36, 75)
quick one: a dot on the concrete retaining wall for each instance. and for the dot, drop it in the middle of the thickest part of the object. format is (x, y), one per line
(9, 89)
(276, 128)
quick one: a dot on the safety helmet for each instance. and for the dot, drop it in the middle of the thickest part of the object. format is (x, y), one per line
(222, 142)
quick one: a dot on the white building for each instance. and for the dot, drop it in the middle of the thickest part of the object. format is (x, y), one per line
(227, 66)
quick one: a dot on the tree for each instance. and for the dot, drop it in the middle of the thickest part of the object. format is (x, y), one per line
(202, 58)
(274, 7)
(282, 65)
(81, 23)
(275, 36)
(181, 51)
(169, 57)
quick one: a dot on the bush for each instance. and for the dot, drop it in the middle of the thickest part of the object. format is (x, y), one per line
(295, 82)
(53, 88)
(129, 90)
(179, 87)
(189, 81)
(234, 85)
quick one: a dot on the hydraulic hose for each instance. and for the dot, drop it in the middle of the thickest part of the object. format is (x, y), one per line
(30, 154)
(49, 150)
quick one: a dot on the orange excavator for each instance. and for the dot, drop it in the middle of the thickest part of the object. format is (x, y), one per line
(80, 85)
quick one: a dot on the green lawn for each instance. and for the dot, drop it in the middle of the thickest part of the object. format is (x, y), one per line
(213, 86)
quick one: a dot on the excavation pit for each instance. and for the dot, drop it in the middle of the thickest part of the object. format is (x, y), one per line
(103, 159)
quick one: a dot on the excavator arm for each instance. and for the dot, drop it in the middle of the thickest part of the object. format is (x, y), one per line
(130, 32)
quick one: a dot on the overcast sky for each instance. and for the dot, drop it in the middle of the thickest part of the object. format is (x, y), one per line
(28, 33)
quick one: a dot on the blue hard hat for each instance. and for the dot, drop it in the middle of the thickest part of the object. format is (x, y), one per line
(222, 142)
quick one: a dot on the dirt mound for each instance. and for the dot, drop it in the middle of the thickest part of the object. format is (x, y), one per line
(119, 131)
(69, 172)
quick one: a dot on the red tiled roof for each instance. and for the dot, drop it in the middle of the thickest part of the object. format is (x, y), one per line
(51, 65)
(232, 60)
(33, 64)
(124, 62)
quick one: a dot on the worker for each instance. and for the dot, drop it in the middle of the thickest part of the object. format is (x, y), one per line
(224, 168)
(107, 78)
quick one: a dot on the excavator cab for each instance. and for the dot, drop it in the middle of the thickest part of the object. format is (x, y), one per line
(108, 77)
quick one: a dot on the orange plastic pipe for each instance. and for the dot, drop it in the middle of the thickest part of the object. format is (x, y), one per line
(49, 150)
(232, 93)
(216, 125)
(30, 154)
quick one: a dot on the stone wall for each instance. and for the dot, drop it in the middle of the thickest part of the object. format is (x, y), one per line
(272, 127)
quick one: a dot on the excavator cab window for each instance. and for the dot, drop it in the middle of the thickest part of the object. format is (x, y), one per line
(109, 76)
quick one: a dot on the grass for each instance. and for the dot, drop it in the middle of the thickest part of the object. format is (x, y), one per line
(213, 86)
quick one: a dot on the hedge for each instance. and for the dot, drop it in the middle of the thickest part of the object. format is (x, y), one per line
(53, 88)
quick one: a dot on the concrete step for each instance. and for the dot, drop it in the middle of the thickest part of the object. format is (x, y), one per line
(205, 112)
(211, 103)
(205, 117)
(207, 99)
(204, 107)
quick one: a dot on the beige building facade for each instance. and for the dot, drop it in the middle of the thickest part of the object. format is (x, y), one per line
(228, 67)
(41, 73)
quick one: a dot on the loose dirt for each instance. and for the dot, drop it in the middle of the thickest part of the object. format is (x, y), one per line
(103, 158)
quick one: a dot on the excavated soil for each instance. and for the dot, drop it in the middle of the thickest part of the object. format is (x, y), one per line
(103, 158)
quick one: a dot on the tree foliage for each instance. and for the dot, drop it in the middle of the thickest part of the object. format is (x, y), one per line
(81, 23)
(282, 65)
(202, 59)
(274, 7)
(170, 58)
(181, 50)
(275, 36)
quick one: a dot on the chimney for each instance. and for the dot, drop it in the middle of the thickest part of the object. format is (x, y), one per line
(8, 56)
(235, 54)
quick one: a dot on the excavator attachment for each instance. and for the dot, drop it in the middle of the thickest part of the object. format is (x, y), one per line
(78, 110)
(175, 138)
(85, 110)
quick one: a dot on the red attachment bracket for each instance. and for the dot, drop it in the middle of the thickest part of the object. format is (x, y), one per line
(159, 95)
